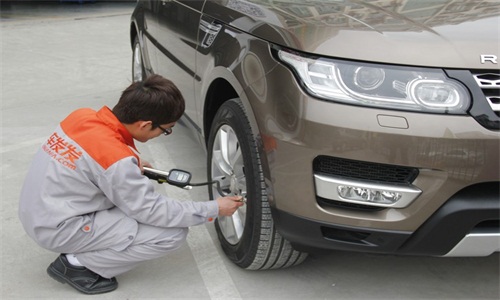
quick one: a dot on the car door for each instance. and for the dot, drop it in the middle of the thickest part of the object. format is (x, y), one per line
(177, 37)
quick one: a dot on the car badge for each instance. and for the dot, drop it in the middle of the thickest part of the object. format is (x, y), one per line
(488, 58)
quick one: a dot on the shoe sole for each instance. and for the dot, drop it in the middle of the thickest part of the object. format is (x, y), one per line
(58, 276)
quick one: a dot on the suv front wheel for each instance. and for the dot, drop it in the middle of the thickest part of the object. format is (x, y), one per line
(249, 237)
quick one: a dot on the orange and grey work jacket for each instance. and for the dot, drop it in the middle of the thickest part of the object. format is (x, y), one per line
(85, 187)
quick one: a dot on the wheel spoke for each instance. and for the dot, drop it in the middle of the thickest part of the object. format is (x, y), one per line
(227, 226)
(236, 159)
(239, 224)
(221, 153)
(233, 148)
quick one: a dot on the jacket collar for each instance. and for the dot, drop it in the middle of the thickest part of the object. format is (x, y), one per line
(107, 116)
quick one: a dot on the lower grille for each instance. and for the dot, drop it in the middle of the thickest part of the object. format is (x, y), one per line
(347, 205)
(367, 171)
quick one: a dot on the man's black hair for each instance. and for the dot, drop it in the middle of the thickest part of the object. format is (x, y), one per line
(155, 99)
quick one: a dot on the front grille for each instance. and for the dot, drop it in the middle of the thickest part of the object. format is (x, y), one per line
(361, 170)
(484, 87)
(489, 82)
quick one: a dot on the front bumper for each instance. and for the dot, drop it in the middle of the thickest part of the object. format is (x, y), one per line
(470, 215)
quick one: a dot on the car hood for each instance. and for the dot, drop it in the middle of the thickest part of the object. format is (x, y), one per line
(451, 34)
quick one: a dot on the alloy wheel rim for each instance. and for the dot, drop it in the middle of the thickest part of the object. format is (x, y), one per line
(228, 167)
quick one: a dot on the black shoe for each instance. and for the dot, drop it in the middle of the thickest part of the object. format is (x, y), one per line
(80, 278)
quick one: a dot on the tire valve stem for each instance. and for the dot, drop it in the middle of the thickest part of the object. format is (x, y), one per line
(243, 197)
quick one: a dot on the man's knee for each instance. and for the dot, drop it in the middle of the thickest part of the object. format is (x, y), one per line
(182, 234)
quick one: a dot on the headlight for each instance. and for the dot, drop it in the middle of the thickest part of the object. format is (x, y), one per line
(405, 88)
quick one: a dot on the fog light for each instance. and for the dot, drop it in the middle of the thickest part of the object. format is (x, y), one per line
(368, 195)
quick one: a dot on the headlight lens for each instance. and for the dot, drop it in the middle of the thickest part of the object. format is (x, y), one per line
(405, 88)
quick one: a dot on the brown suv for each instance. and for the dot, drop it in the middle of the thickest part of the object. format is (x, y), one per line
(354, 125)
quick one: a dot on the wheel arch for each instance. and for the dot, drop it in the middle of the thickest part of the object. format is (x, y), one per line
(133, 33)
(136, 21)
(219, 91)
(138, 30)
(224, 86)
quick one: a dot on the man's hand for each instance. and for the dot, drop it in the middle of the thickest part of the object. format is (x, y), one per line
(144, 163)
(228, 205)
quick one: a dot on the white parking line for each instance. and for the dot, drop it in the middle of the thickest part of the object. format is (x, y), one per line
(215, 275)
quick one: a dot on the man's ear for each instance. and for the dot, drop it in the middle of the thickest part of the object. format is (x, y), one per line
(145, 125)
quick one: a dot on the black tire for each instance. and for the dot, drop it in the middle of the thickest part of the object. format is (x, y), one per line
(257, 245)
(138, 71)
